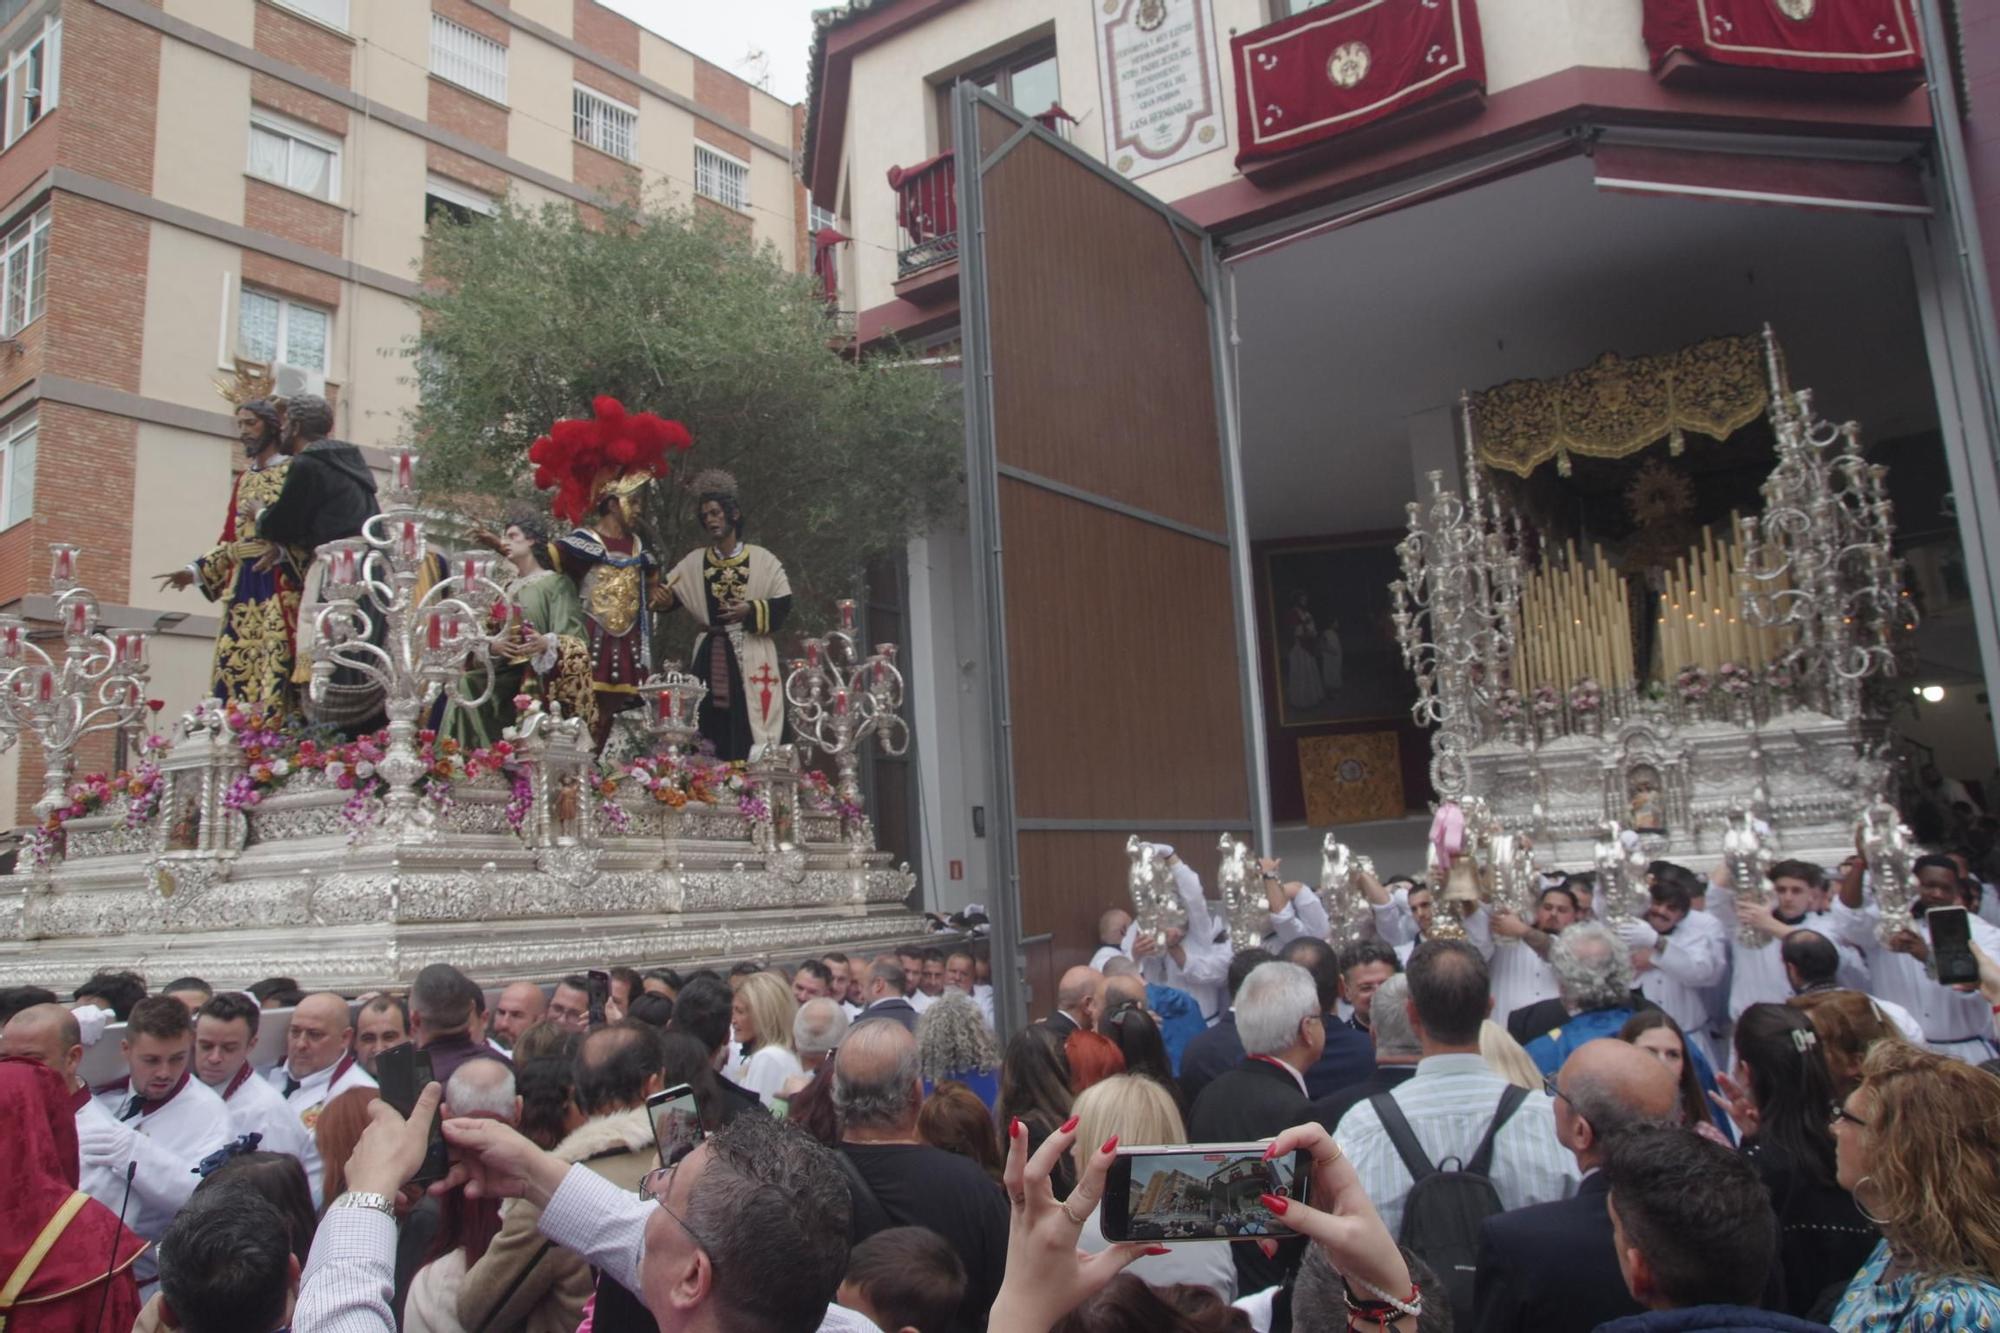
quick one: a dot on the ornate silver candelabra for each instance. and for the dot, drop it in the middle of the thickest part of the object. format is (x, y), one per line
(1455, 609)
(1885, 845)
(1821, 560)
(1156, 899)
(441, 636)
(1338, 868)
(98, 684)
(1244, 901)
(672, 697)
(1750, 859)
(839, 699)
(1622, 891)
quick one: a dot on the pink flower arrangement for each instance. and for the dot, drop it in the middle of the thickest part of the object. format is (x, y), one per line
(1586, 696)
(1692, 683)
(1507, 705)
(1547, 702)
(1734, 679)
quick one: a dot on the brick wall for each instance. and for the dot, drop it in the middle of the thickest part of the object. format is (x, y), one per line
(611, 177)
(23, 166)
(619, 90)
(461, 112)
(294, 216)
(289, 100)
(467, 171)
(83, 494)
(469, 16)
(19, 366)
(96, 307)
(108, 120)
(717, 90)
(801, 197)
(611, 35)
(740, 221)
(285, 36)
(278, 275)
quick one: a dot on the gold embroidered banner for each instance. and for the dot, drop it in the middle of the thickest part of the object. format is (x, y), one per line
(1351, 778)
(1615, 407)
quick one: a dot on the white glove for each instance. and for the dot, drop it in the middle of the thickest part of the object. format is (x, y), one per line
(1638, 935)
(91, 1022)
(1163, 850)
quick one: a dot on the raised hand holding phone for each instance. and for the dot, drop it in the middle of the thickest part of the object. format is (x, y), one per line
(1342, 1219)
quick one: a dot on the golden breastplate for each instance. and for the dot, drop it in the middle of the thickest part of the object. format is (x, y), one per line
(612, 597)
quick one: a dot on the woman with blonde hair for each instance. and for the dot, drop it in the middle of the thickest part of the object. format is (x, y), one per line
(1507, 1057)
(1848, 1025)
(1140, 1111)
(761, 1015)
(1918, 1146)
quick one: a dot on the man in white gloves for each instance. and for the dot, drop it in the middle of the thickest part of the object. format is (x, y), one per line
(1678, 953)
(1193, 960)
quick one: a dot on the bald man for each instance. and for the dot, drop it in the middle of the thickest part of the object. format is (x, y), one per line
(1110, 935)
(519, 1008)
(1554, 1265)
(319, 1065)
(1079, 999)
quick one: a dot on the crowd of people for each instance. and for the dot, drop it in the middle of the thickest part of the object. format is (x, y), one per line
(1507, 1125)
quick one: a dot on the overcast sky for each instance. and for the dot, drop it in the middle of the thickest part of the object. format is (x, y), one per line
(764, 41)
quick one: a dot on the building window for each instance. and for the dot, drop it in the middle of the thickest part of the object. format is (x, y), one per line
(29, 84)
(722, 178)
(333, 13)
(272, 330)
(24, 258)
(608, 126)
(469, 59)
(17, 471)
(448, 201)
(293, 155)
(1025, 80)
(822, 218)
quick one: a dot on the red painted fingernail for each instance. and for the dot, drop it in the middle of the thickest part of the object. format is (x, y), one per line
(1275, 1203)
(1069, 1124)
(1109, 1144)
(1014, 1128)
(1156, 1249)
(1270, 1152)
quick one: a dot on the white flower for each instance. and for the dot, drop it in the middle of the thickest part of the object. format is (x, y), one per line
(364, 769)
(335, 769)
(281, 768)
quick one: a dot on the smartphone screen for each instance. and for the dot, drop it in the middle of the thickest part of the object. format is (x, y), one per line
(1951, 960)
(676, 1122)
(1198, 1192)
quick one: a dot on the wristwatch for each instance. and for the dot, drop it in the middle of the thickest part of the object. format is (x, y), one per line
(381, 1203)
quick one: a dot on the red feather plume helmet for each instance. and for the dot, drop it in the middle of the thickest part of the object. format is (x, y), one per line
(583, 457)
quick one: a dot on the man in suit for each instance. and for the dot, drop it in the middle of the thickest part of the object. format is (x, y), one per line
(1397, 1051)
(1554, 1266)
(883, 991)
(1348, 1057)
(1217, 1050)
(1283, 1028)
(1079, 999)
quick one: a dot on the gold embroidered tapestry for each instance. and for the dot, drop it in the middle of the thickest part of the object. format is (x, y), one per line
(1351, 778)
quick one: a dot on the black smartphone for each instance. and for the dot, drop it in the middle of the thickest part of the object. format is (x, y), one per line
(1198, 1191)
(1951, 962)
(600, 991)
(676, 1120)
(403, 1071)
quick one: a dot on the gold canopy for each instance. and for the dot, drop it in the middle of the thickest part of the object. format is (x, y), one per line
(1615, 407)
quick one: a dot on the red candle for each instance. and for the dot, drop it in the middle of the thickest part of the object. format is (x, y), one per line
(406, 469)
(79, 618)
(10, 642)
(137, 656)
(132, 696)
(64, 568)
(451, 628)
(812, 653)
(118, 650)
(409, 539)
(881, 672)
(434, 631)
(840, 703)
(45, 687)
(663, 703)
(846, 605)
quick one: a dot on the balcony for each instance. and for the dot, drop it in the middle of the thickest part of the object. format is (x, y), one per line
(927, 204)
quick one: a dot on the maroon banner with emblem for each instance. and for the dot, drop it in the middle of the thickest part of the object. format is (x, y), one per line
(1802, 36)
(1331, 69)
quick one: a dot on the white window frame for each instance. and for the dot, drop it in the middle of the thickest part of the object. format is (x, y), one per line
(298, 132)
(27, 241)
(332, 13)
(605, 142)
(819, 219)
(281, 339)
(463, 195)
(462, 67)
(708, 160)
(49, 37)
(11, 436)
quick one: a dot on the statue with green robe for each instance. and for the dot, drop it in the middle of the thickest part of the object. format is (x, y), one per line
(545, 654)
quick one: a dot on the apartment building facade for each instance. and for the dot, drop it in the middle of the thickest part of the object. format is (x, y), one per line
(186, 184)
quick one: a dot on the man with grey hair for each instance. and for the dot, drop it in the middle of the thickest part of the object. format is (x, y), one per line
(817, 1028)
(878, 1091)
(484, 1088)
(883, 991)
(1397, 1051)
(1594, 971)
(1283, 1030)
(1555, 1265)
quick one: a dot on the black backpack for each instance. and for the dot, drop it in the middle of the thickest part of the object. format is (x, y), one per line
(1442, 1214)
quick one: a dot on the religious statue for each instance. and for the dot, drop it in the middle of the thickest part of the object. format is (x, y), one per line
(1647, 803)
(328, 494)
(1304, 685)
(739, 595)
(256, 581)
(598, 466)
(545, 655)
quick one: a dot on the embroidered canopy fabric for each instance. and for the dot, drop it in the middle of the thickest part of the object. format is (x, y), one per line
(1809, 36)
(1338, 66)
(1615, 407)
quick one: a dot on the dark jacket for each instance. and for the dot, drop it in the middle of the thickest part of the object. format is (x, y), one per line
(1552, 1267)
(1524, 1025)
(449, 1052)
(1386, 1078)
(1711, 1319)
(1252, 1101)
(738, 1101)
(1061, 1024)
(1349, 1059)
(329, 493)
(1823, 1239)
(1209, 1056)
(895, 1010)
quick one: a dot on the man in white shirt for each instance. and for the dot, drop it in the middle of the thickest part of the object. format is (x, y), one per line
(1757, 971)
(959, 973)
(1295, 910)
(225, 1030)
(318, 1067)
(1955, 1023)
(121, 1168)
(1518, 952)
(1678, 953)
(1193, 961)
(1812, 964)
(1452, 1099)
(846, 987)
(930, 979)
(1111, 928)
(1399, 912)
(164, 1103)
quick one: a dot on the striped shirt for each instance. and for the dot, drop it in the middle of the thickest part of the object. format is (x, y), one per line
(1449, 1102)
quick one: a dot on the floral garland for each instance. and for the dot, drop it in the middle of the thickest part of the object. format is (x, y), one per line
(140, 786)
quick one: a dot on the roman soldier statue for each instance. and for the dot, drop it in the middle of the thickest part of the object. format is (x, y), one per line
(599, 466)
(255, 580)
(739, 595)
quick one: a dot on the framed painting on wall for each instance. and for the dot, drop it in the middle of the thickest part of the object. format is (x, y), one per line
(1332, 646)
